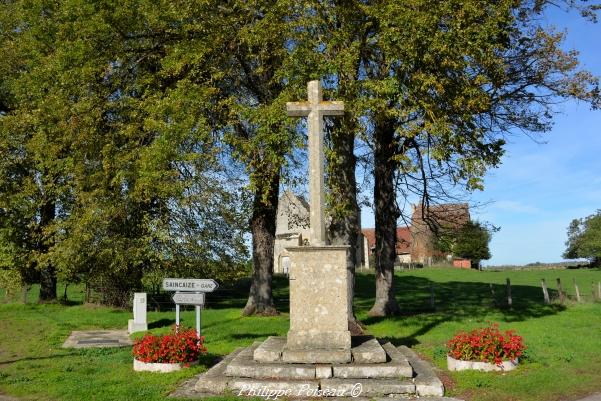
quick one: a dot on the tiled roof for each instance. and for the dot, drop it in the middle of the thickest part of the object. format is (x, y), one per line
(403, 237)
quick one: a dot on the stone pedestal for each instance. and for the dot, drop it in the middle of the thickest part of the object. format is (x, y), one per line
(138, 323)
(318, 306)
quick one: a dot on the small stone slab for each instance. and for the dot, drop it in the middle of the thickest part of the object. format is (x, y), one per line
(397, 367)
(426, 381)
(368, 351)
(368, 387)
(98, 342)
(316, 355)
(373, 370)
(98, 339)
(323, 371)
(270, 350)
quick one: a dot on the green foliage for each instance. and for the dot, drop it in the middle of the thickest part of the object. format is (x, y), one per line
(105, 132)
(584, 239)
(472, 242)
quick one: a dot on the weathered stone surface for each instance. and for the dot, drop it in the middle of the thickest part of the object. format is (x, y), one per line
(243, 365)
(368, 387)
(393, 353)
(369, 351)
(271, 371)
(316, 338)
(98, 339)
(318, 302)
(373, 370)
(316, 355)
(426, 381)
(270, 350)
(214, 379)
(323, 371)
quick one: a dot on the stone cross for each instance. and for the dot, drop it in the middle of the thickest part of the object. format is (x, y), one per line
(315, 109)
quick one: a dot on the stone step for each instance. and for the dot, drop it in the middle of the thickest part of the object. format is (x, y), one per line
(368, 387)
(270, 350)
(245, 365)
(367, 349)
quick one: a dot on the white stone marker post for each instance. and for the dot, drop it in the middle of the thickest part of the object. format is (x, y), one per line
(138, 323)
(318, 272)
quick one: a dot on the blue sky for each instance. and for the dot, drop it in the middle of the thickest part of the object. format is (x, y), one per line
(540, 188)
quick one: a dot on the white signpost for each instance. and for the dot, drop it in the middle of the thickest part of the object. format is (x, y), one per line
(189, 298)
(189, 291)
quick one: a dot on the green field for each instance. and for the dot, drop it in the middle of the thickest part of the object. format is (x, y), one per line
(563, 360)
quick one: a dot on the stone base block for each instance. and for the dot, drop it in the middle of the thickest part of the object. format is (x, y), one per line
(402, 376)
(243, 365)
(373, 370)
(270, 350)
(368, 387)
(133, 327)
(368, 350)
(323, 371)
(305, 339)
(316, 355)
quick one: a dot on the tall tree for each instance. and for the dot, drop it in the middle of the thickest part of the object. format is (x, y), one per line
(447, 81)
(119, 142)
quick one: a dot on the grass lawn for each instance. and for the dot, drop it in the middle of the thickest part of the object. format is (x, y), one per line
(563, 361)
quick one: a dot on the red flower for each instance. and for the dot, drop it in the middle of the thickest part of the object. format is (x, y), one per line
(487, 344)
(180, 346)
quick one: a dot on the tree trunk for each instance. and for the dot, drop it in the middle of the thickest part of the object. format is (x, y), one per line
(47, 272)
(262, 226)
(386, 215)
(345, 226)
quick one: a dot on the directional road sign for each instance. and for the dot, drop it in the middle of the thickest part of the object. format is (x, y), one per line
(190, 284)
(186, 298)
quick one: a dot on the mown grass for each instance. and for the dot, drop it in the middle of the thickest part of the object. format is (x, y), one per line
(563, 361)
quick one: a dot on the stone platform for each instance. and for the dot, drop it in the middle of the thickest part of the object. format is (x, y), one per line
(375, 371)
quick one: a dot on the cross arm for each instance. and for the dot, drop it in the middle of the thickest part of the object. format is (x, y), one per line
(332, 108)
(298, 109)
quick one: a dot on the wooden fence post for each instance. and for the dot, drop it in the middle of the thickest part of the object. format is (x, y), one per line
(561, 295)
(509, 300)
(593, 291)
(577, 291)
(599, 290)
(545, 291)
(432, 299)
(25, 290)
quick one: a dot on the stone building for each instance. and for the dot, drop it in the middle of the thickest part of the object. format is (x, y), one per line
(448, 216)
(292, 228)
(416, 243)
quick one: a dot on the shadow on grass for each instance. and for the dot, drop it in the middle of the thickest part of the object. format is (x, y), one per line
(453, 301)
(246, 336)
(38, 358)
(161, 323)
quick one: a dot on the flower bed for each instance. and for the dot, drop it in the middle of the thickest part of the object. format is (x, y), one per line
(485, 349)
(169, 352)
